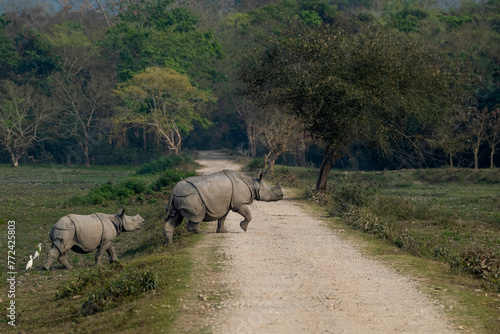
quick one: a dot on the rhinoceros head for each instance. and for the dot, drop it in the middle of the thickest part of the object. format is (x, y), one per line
(131, 223)
(267, 193)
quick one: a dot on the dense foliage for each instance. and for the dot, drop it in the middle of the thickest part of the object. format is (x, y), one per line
(402, 67)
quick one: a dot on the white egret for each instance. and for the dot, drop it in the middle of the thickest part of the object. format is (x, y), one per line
(38, 251)
(30, 263)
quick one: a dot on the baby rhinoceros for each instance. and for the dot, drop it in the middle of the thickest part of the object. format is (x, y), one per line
(85, 234)
(211, 197)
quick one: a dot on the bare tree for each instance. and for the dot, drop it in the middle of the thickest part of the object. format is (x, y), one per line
(476, 125)
(251, 117)
(22, 111)
(279, 133)
(83, 104)
(83, 87)
(449, 138)
(106, 8)
(493, 136)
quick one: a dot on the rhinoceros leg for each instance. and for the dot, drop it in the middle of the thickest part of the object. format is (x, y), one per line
(170, 224)
(245, 212)
(111, 253)
(193, 227)
(64, 261)
(100, 251)
(52, 255)
(220, 224)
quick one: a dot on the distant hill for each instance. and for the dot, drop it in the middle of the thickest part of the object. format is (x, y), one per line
(53, 5)
(49, 5)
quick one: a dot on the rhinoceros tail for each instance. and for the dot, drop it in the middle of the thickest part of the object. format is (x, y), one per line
(169, 205)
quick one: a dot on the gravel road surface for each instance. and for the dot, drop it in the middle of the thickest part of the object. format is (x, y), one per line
(290, 273)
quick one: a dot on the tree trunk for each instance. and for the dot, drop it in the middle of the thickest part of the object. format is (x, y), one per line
(266, 159)
(476, 158)
(451, 160)
(85, 149)
(492, 164)
(15, 159)
(271, 164)
(324, 170)
(251, 140)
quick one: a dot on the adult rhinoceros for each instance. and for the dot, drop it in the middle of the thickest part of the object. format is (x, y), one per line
(85, 234)
(211, 197)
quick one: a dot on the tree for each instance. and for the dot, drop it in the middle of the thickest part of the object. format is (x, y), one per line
(375, 87)
(279, 132)
(475, 122)
(83, 87)
(23, 110)
(157, 34)
(493, 133)
(7, 52)
(165, 102)
(449, 138)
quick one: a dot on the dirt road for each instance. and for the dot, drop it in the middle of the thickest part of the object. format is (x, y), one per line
(289, 273)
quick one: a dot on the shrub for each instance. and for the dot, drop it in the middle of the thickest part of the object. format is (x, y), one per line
(349, 195)
(255, 164)
(110, 191)
(170, 178)
(109, 287)
(285, 177)
(164, 163)
(483, 264)
(317, 197)
(127, 285)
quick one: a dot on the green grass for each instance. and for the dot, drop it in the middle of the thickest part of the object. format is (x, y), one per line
(435, 215)
(142, 290)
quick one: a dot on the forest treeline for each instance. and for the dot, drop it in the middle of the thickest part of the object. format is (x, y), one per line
(362, 84)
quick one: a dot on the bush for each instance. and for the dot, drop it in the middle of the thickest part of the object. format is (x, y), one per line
(165, 163)
(170, 178)
(109, 287)
(317, 197)
(255, 164)
(348, 195)
(483, 264)
(285, 177)
(110, 191)
(127, 285)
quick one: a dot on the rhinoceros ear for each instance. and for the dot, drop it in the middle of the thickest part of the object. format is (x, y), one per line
(261, 175)
(122, 212)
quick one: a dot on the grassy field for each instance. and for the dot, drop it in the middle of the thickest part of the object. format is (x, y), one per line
(440, 226)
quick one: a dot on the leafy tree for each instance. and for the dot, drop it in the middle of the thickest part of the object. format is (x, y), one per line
(165, 102)
(23, 111)
(241, 32)
(155, 33)
(7, 52)
(26, 57)
(372, 87)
